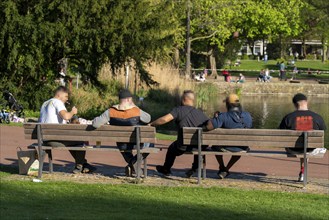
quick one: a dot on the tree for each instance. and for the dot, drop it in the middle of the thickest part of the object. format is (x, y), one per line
(35, 35)
(211, 24)
(270, 20)
(316, 23)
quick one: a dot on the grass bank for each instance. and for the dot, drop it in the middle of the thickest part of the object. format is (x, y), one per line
(67, 200)
(251, 68)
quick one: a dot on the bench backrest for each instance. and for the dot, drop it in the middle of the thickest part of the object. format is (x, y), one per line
(77, 132)
(254, 137)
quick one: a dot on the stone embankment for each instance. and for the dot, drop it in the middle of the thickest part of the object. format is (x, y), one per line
(251, 88)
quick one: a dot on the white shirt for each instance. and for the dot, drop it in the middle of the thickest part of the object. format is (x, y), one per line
(49, 112)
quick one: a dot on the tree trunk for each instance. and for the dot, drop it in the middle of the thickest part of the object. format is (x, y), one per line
(304, 48)
(324, 50)
(212, 60)
(176, 57)
(188, 44)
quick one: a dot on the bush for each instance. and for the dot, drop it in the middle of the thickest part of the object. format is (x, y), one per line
(252, 57)
(204, 92)
(309, 57)
(162, 96)
(245, 57)
(92, 101)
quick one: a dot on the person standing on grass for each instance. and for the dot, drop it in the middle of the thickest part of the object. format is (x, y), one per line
(54, 111)
(226, 75)
(301, 119)
(185, 115)
(126, 113)
(234, 118)
(282, 71)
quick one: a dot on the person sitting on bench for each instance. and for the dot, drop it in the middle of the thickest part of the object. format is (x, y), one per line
(185, 115)
(303, 120)
(126, 113)
(235, 117)
(54, 111)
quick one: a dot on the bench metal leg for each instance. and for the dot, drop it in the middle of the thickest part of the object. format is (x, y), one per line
(41, 152)
(204, 174)
(145, 168)
(41, 158)
(199, 155)
(50, 159)
(139, 156)
(305, 158)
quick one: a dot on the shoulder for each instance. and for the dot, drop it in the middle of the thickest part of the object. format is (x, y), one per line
(57, 102)
(316, 115)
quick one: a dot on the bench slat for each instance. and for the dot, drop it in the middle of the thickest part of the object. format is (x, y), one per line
(255, 132)
(243, 138)
(102, 148)
(253, 143)
(96, 133)
(255, 153)
(86, 127)
(91, 138)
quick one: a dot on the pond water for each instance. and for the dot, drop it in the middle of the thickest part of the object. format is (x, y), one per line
(268, 110)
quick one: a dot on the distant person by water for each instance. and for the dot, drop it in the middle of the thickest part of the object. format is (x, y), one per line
(282, 71)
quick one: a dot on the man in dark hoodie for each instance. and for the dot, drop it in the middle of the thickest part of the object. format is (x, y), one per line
(234, 118)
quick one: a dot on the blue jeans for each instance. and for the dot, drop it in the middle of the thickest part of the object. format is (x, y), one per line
(128, 156)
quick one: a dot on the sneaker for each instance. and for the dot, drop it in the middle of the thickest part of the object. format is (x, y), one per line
(163, 170)
(78, 169)
(87, 168)
(190, 173)
(223, 174)
(128, 171)
(301, 177)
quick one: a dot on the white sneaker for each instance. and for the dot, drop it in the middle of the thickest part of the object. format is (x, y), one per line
(301, 177)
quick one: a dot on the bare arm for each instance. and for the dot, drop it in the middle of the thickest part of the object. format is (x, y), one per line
(163, 120)
(68, 115)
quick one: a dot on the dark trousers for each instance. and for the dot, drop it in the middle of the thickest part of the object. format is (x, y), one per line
(282, 75)
(175, 150)
(128, 156)
(79, 156)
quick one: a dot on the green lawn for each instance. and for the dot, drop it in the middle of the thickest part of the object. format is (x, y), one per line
(247, 65)
(68, 200)
(271, 64)
(161, 136)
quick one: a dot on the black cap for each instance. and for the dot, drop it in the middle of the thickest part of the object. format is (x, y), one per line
(299, 97)
(125, 93)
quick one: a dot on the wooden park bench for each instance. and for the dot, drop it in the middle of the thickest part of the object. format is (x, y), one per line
(269, 140)
(76, 132)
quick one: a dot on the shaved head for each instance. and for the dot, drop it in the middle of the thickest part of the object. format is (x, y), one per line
(188, 98)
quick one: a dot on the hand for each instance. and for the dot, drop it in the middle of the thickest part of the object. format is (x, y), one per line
(216, 114)
(74, 110)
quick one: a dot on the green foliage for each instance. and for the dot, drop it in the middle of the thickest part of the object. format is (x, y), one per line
(204, 93)
(162, 96)
(35, 35)
(91, 101)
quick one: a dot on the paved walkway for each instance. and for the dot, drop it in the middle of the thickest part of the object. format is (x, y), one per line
(13, 137)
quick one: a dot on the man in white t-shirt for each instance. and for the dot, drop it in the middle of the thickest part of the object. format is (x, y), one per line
(54, 111)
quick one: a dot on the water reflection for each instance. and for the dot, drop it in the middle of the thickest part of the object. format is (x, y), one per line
(268, 110)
